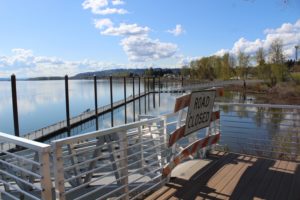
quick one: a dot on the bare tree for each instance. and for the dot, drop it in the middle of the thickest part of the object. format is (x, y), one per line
(276, 55)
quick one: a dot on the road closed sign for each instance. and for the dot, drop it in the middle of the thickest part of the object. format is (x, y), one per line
(199, 111)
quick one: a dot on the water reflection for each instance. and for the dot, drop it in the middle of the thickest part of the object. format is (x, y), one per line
(272, 132)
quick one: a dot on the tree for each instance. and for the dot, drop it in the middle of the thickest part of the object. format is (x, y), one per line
(276, 55)
(227, 64)
(243, 63)
(203, 68)
(185, 71)
(260, 56)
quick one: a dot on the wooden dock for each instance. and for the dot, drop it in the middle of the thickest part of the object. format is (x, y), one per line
(232, 176)
(60, 127)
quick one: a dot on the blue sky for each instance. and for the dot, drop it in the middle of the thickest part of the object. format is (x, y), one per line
(57, 37)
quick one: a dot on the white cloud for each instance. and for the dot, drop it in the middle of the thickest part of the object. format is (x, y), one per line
(94, 5)
(99, 7)
(287, 32)
(126, 30)
(117, 2)
(101, 23)
(137, 45)
(185, 61)
(143, 48)
(109, 11)
(24, 63)
(178, 30)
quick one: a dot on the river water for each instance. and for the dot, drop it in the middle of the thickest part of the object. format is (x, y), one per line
(41, 103)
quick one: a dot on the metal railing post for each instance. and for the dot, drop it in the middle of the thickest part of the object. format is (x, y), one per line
(124, 163)
(15, 105)
(46, 183)
(58, 172)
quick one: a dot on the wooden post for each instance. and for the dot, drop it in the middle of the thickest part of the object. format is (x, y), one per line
(15, 104)
(148, 93)
(145, 102)
(133, 101)
(139, 95)
(125, 101)
(159, 91)
(153, 91)
(67, 105)
(111, 102)
(96, 102)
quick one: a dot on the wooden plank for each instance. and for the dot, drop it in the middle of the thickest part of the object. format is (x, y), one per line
(249, 192)
(226, 180)
(167, 194)
(234, 176)
(266, 180)
(246, 179)
(294, 192)
(191, 189)
(158, 193)
(274, 184)
(286, 182)
(229, 187)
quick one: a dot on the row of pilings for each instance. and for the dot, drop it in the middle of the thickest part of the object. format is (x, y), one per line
(146, 94)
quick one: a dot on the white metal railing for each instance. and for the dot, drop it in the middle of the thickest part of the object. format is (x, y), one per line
(120, 162)
(266, 130)
(24, 172)
(123, 162)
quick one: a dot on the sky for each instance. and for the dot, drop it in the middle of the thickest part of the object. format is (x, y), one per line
(58, 37)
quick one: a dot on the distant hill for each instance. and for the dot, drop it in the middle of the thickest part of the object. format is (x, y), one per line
(127, 72)
(46, 78)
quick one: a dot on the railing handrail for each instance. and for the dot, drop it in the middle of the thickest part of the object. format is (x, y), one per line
(37, 146)
(106, 131)
(283, 106)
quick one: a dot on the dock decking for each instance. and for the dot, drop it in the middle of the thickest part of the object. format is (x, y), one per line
(233, 176)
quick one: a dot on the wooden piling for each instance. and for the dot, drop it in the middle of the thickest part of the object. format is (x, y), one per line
(148, 93)
(153, 91)
(145, 102)
(15, 104)
(111, 103)
(96, 102)
(125, 101)
(139, 95)
(133, 95)
(67, 105)
(159, 91)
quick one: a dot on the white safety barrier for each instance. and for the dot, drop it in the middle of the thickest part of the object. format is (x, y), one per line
(25, 172)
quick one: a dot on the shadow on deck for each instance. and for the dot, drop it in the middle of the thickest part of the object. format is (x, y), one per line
(235, 176)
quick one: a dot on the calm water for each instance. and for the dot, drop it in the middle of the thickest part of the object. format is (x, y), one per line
(42, 103)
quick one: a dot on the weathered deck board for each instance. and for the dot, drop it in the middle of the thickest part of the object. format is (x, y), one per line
(235, 176)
